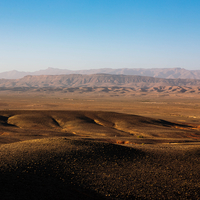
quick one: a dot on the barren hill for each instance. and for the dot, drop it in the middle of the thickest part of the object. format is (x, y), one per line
(90, 123)
(169, 73)
(74, 155)
(96, 80)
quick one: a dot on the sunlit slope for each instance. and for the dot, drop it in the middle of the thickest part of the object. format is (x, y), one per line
(91, 123)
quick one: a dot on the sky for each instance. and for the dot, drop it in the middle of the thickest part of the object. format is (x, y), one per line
(91, 34)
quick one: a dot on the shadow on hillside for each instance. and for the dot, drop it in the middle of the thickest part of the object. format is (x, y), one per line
(4, 121)
(64, 178)
(22, 186)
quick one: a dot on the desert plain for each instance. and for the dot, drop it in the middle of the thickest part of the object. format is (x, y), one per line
(99, 143)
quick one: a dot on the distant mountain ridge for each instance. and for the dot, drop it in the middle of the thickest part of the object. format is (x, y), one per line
(95, 80)
(167, 73)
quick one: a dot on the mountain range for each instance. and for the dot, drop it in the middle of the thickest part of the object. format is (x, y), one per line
(167, 73)
(94, 80)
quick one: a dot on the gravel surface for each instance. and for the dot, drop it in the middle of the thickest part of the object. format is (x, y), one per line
(61, 168)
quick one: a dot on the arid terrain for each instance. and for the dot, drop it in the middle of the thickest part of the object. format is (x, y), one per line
(102, 142)
(168, 73)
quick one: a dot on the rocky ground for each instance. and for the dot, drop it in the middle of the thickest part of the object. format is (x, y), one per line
(64, 168)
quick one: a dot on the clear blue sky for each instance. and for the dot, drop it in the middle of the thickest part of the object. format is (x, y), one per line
(89, 34)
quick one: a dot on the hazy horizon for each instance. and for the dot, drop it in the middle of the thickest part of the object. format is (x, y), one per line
(82, 35)
(49, 68)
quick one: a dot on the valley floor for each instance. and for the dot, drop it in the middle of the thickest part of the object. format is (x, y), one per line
(58, 146)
